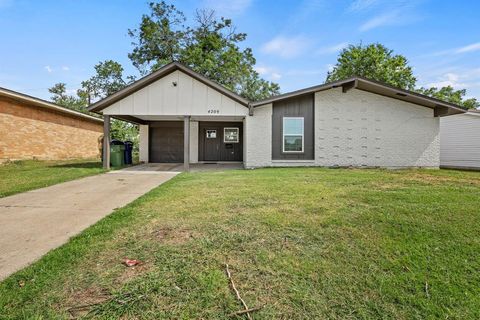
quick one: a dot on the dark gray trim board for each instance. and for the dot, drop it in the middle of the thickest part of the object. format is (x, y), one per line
(300, 106)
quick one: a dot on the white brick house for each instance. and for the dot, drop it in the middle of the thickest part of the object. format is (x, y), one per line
(187, 118)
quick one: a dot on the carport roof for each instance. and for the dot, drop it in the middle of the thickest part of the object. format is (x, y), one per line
(163, 71)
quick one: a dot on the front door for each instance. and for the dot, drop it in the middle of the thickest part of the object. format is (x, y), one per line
(221, 141)
(212, 143)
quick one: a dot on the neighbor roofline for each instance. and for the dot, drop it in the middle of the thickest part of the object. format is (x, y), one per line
(152, 77)
(26, 99)
(357, 80)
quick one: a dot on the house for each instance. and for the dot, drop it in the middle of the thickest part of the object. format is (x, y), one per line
(460, 141)
(31, 128)
(185, 117)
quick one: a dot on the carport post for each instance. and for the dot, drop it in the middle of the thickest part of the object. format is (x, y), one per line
(106, 142)
(186, 143)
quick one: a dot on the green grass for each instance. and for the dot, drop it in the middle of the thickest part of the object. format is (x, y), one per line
(308, 243)
(20, 176)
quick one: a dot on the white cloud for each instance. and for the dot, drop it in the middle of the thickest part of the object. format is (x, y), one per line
(48, 68)
(394, 13)
(470, 48)
(268, 73)
(286, 47)
(465, 49)
(385, 19)
(448, 79)
(65, 68)
(227, 8)
(359, 5)
(333, 49)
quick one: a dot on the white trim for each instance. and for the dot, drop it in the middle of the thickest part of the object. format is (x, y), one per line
(294, 135)
(238, 134)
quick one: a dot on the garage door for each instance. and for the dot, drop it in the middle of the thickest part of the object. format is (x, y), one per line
(166, 142)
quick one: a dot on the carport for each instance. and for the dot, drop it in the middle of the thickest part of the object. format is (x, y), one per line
(183, 118)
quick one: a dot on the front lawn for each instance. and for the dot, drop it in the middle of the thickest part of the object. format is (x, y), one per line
(304, 243)
(20, 176)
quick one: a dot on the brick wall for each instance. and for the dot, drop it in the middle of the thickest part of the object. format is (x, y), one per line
(28, 132)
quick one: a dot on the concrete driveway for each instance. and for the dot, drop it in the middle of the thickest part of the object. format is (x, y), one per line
(34, 222)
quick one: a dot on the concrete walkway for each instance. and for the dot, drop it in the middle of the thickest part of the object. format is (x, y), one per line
(34, 222)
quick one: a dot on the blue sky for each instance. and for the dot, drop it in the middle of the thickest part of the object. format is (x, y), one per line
(295, 42)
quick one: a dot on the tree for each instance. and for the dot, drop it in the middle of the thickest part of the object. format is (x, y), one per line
(451, 95)
(210, 47)
(108, 79)
(373, 61)
(60, 97)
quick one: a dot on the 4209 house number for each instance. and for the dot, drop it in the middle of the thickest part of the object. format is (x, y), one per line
(214, 111)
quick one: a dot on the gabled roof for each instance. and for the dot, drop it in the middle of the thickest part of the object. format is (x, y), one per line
(441, 108)
(26, 99)
(373, 87)
(163, 71)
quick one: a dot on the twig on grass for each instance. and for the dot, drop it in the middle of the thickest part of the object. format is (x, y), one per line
(229, 275)
(426, 290)
(240, 312)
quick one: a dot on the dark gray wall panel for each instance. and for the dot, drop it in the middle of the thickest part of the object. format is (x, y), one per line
(302, 106)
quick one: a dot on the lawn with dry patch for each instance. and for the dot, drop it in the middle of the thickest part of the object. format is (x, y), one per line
(302, 243)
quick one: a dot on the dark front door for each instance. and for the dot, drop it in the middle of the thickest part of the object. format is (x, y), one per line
(166, 142)
(220, 141)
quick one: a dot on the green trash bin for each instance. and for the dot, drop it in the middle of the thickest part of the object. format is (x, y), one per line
(117, 150)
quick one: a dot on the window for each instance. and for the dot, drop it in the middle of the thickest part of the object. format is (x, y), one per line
(230, 135)
(292, 134)
(211, 134)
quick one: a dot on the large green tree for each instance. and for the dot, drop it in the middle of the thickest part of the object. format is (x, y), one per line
(60, 96)
(377, 62)
(108, 79)
(373, 61)
(210, 47)
(451, 95)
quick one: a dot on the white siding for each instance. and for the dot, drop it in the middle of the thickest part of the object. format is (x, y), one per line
(193, 142)
(258, 142)
(460, 141)
(188, 97)
(143, 143)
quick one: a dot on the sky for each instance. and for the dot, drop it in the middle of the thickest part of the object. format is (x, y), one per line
(295, 42)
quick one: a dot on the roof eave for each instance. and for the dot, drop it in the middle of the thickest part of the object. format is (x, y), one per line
(354, 82)
(13, 95)
(149, 79)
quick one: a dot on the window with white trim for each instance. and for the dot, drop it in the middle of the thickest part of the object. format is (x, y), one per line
(293, 134)
(231, 135)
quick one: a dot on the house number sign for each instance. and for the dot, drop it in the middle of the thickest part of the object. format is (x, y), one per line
(213, 111)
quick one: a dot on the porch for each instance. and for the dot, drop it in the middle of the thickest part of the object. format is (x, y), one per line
(181, 143)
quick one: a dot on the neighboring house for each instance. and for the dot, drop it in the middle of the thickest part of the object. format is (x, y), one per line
(185, 117)
(460, 141)
(31, 128)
